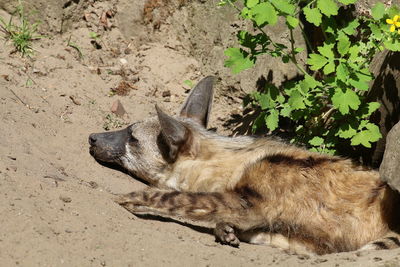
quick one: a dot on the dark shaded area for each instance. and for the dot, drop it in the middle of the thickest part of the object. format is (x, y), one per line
(119, 168)
(241, 124)
(200, 229)
(69, 3)
(385, 90)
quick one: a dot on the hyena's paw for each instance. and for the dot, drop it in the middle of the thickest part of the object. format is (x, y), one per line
(225, 234)
(134, 202)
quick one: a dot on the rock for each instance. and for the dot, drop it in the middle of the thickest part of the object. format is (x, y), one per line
(65, 199)
(390, 167)
(166, 93)
(118, 109)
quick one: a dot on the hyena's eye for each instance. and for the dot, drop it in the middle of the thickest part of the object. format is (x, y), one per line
(132, 139)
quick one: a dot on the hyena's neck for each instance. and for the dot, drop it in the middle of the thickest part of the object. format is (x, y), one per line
(218, 165)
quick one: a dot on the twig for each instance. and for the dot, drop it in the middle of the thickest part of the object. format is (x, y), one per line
(22, 101)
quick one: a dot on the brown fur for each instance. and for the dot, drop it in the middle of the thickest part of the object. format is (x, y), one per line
(260, 190)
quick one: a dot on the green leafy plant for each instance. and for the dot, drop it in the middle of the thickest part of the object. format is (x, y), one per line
(22, 32)
(328, 106)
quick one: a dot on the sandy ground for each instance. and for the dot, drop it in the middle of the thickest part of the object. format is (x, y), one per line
(56, 207)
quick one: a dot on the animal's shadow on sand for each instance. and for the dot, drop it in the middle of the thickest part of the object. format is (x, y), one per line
(197, 228)
(117, 167)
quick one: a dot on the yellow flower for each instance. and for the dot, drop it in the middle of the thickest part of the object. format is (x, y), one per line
(394, 23)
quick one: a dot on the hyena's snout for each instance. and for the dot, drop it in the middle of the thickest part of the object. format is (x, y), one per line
(108, 146)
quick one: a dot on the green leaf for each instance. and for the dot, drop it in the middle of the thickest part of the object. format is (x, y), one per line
(346, 131)
(366, 137)
(280, 99)
(353, 52)
(342, 72)
(272, 119)
(343, 45)
(251, 3)
(369, 108)
(347, 2)
(393, 11)
(378, 11)
(376, 30)
(298, 50)
(345, 100)
(311, 82)
(313, 15)
(316, 141)
(372, 107)
(329, 68)
(292, 22)
(265, 102)
(351, 27)
(364, 75)
(316, 61)
(286, 111)
(238, 60)
(392, 45)
(296, 100)
(360, 85)
(284, 6)
(328, 7)
(327, 51)
(264, 13)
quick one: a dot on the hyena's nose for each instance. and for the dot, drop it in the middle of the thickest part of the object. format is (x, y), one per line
(92, 139)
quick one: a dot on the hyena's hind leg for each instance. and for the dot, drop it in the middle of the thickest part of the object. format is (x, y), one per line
(390, 241)
(229, 211)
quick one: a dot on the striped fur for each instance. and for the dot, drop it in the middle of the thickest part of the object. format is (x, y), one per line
(257, 190)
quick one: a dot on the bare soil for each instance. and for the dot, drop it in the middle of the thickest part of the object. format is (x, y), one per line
(56, 207)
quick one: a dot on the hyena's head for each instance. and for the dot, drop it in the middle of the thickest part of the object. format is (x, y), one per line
(146, 148)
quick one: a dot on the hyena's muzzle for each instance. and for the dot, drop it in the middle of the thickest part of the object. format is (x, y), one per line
(109, 146)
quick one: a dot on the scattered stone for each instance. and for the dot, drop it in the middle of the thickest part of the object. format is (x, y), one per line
(13, 158)
(128, 51)
(118, 109)
(65, 199)
(123, 61)
(390, 167)
(166, 93)
(93, 184)
(123, 88)
(377, 259)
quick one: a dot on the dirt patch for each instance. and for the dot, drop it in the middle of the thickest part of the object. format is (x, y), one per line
(56, 200)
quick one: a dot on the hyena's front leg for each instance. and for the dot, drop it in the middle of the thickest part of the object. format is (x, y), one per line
(230, 212)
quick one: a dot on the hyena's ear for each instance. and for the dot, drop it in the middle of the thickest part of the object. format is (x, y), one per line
(198, 103)
(174, 134)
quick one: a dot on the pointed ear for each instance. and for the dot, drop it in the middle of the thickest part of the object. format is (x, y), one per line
(174, 133)
(198, 103)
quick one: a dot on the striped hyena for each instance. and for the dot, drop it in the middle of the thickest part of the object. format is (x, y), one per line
(257, 190)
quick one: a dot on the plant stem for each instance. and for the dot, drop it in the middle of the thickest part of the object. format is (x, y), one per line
(312, 2)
